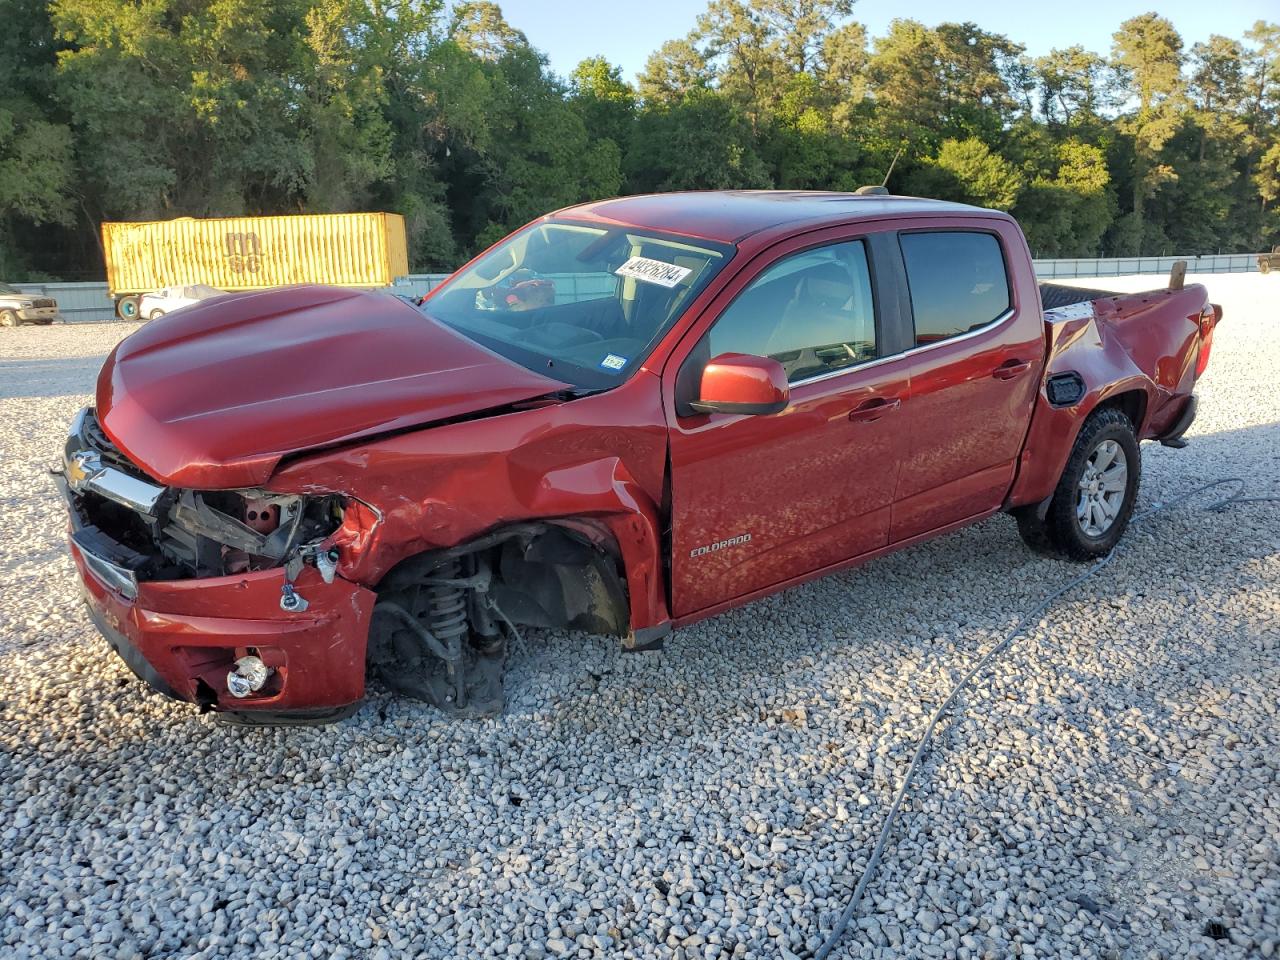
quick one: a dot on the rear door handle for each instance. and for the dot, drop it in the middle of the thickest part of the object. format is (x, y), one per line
(1010, 369)
(874, 409)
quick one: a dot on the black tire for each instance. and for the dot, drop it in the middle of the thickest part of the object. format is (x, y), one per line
(1062, 533)
(8, 318)
(127, 308)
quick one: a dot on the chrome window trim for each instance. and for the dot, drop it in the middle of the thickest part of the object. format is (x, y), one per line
(856, 368)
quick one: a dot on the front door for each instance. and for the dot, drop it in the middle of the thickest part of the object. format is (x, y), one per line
(760, 500)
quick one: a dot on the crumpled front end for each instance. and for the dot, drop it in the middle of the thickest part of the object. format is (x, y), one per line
(227, 598)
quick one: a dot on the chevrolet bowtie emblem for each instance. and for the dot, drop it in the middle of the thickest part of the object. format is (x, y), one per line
(81, 467)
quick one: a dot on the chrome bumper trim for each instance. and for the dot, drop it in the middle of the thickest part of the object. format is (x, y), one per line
(122, 581)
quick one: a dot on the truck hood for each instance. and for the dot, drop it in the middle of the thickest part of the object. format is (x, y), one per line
(214, 395)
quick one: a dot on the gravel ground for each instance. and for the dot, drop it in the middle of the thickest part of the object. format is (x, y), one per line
(1111, 791)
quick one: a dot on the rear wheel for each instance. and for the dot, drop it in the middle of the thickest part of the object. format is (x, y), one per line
(1094, 499)
(127, 308)
(155, 315)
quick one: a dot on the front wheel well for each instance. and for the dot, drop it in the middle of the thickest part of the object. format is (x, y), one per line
(443, 618)
(539, 574)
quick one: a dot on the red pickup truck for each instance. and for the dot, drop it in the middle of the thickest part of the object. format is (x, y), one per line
(625, 417)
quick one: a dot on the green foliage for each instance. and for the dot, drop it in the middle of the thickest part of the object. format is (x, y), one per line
(677, 70)
(700, 143)
(969, 172)
(605, 102)
(1069, 203)
(132, 109)
(1074, 85)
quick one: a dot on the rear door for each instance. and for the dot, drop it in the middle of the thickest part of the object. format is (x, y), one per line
(760, 500)
(974, 368)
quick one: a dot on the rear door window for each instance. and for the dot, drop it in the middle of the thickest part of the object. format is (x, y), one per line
(958, 282)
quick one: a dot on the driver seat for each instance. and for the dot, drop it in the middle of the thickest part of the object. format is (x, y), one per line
(820, 311)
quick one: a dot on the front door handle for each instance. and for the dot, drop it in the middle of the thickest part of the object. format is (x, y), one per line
(874, 409)
(1010, 369)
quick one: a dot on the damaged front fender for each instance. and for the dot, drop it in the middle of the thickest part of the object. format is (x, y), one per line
(430, 490)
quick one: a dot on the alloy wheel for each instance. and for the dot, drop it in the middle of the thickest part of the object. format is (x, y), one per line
(1102, 488)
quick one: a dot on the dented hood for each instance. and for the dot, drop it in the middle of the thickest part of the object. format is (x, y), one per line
(214, 395)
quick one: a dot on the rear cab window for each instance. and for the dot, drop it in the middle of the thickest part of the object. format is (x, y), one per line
(958, 282)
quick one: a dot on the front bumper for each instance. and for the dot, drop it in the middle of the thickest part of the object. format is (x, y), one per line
(38, 314)
(183, 636)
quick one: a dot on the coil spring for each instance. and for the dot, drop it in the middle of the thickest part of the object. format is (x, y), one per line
(447, 605)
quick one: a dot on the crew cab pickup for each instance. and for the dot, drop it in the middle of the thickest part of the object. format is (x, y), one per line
(625, 417)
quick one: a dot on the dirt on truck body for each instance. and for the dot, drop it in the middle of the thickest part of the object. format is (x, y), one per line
(626, 417)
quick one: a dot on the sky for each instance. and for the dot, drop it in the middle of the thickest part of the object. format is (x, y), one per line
(627, 31)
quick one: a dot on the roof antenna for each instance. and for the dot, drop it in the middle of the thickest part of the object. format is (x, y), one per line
(882, 189)
(893, 163)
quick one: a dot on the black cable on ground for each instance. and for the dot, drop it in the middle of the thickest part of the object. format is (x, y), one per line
(1030, 616)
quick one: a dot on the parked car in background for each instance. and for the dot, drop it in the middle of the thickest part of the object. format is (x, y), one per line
(17, 307)
(1269, 261)
(625, 417)
(157, 304)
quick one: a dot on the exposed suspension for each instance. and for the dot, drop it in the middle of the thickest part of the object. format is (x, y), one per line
(433, 638)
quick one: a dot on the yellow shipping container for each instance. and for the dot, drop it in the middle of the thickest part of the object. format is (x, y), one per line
(249, 253)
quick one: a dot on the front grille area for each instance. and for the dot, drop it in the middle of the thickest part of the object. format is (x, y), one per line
(146, 535)
(166, 533)
(93, 435)
(96, 436)
(44, 302)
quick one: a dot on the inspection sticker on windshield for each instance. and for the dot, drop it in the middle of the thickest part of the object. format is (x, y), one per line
(653, 271)
(613, 362)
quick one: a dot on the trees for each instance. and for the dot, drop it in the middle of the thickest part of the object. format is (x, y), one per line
(1074, 85)
(700, 143)
(37, 161)
(1147, 57)
(968, 171)
(447, 114)
(951, 81)
(606, 103)
(677, 70)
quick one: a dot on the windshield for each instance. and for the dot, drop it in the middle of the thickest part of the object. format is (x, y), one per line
(5, 288)
(583, 304)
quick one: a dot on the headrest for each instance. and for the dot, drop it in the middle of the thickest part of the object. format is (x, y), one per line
(827, 286)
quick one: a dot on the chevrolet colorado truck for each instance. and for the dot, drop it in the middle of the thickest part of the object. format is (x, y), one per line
(625, 417)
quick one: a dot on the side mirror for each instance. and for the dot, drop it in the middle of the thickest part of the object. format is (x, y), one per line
(740, 383)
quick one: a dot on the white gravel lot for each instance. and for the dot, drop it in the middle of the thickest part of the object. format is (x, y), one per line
(1112, 791)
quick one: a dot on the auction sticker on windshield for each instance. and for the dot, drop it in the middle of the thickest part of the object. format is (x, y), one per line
(653, 271)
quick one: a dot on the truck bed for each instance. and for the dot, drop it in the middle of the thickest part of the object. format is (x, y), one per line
(1054, 295)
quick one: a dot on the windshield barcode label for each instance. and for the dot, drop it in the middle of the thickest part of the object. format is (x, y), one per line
(653, 271)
